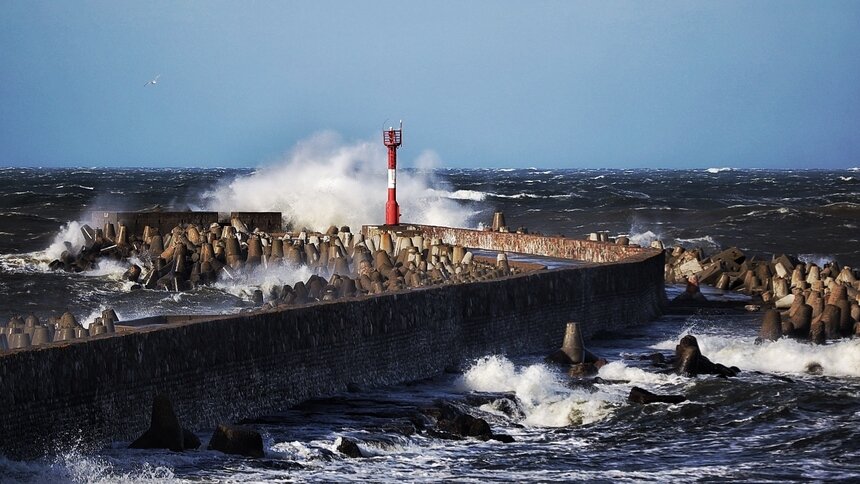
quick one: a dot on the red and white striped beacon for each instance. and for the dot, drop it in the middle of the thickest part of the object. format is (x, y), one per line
(392, 139)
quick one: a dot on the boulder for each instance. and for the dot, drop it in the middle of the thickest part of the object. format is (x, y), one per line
(453, 423)
(644, 397)
(233, 439)
(689, 360)
(348, 448)
(466, 425)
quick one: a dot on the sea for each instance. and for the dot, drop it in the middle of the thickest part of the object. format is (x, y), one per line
(791, 415)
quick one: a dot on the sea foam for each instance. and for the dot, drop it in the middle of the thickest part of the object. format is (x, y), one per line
(546, 399)
(838, 358)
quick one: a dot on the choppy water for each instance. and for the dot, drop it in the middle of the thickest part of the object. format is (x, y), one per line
(774, 422)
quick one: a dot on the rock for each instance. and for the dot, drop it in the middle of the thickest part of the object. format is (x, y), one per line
(233, 439)
(504, 438)
(164, 431)
(466, 425)
(454, 422)
(348, 448)
(586, 369)
(644, 397)
(689, 360)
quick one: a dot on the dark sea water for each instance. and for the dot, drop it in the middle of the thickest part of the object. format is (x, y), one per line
(774, 422)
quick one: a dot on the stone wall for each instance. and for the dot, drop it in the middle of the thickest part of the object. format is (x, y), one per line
(230, 367)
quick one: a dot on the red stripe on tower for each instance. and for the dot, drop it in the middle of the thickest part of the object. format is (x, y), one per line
(392, 139)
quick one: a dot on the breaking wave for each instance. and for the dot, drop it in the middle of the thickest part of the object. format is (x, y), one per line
(840, 358)
(326, 181)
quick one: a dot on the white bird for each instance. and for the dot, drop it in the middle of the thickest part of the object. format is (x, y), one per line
(153, 82)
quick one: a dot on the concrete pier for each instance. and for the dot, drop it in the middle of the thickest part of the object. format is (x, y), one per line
(225, 368)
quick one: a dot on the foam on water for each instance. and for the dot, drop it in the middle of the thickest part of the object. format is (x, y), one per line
(817, 259)
(619, 371)
(72, 466)
(97, 313)
(473, 195)
(838, 358)
(705, 241)
(719, 170)
(326, 181)
(242, 284)
(546, 399)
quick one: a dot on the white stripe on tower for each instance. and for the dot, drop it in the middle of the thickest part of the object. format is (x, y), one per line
(392, 178)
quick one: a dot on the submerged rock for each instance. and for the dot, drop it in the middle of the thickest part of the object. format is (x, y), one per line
(642, 396)
(233, 439)
(453, 423)
(348, 448)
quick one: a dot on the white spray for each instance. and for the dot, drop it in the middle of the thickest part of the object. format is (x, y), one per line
(325, 181)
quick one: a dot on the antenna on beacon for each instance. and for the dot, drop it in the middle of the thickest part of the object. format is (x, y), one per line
(392, 138)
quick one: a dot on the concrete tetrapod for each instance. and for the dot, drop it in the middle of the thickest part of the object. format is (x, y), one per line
(572, 348)
(164, 431)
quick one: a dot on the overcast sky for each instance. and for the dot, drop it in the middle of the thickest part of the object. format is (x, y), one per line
(681, 84)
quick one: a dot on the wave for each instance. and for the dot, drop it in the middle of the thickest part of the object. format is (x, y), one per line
(70, 232)
(546, 399)
(73, 466)
(59, 187)
(516, 196)
(266, 279)
(817, 259)
(840, 358)
(641, 236)
(705, 240)
(841, 206)
(474, 195)
(719, 170)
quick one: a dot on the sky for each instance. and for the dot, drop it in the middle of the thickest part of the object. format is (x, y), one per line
(576, 84)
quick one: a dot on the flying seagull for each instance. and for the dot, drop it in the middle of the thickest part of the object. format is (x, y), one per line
(153, 82)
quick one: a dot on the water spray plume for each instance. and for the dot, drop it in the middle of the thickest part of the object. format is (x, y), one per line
(326, 181)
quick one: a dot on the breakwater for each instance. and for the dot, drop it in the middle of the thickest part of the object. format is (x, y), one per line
(237, 366)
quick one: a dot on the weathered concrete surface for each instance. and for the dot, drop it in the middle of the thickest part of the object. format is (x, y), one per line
(230, 367)
(163, 221)
(559, 247)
